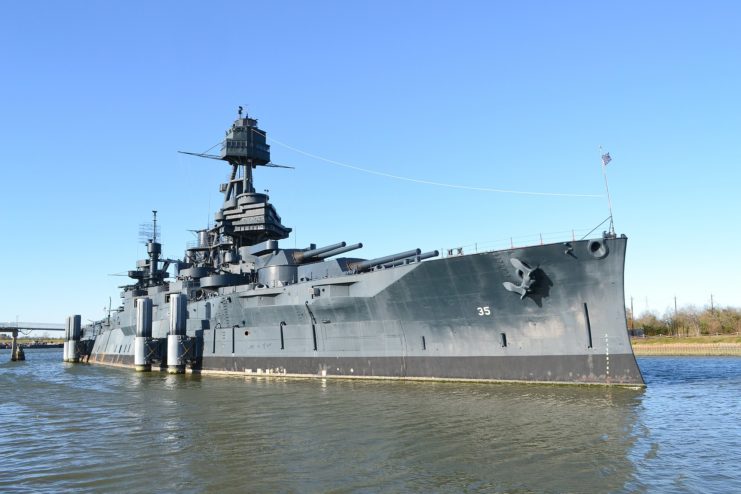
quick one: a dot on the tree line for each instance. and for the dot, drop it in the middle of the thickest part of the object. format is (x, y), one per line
(688, 321)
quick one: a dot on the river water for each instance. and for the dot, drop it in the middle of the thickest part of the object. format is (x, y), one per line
(87, 428)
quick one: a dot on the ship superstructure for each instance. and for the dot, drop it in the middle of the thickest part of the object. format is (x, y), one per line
(240, 303)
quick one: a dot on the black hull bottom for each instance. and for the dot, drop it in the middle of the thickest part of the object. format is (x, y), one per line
(621, 369)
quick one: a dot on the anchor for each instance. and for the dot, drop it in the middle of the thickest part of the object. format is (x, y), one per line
(525, 273)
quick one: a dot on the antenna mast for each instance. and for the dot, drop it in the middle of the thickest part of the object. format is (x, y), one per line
(154, 226)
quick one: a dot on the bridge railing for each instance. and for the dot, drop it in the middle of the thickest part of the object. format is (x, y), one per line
(35, 326)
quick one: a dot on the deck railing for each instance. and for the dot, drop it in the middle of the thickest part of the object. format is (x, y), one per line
(516, 242)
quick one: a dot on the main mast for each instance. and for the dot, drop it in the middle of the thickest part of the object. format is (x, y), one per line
(246, 217)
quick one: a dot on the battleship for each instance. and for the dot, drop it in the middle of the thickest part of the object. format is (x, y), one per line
(238, 302)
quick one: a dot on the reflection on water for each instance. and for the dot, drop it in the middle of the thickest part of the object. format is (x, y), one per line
(101, 429)
(688, 437)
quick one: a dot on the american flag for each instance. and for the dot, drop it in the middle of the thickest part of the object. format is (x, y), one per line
(606, 159)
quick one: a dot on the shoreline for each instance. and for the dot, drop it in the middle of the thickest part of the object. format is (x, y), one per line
(702, 346)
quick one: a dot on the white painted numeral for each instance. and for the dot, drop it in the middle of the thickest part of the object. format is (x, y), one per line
(483, 311)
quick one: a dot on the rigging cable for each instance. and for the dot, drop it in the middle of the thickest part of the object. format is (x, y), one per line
(421, 181)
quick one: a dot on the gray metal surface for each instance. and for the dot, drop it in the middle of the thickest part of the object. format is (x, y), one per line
(545, 313)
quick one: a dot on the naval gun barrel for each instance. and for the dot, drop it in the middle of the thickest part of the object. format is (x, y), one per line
(421, 257)
(302, 256)
(366, 265)
(341, 250)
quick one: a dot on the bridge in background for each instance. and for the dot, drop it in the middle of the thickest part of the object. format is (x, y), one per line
(16, 353)
(34, 326)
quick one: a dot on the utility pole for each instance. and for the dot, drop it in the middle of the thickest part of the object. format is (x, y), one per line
(632, 314)
(676, 328)
(712, 309)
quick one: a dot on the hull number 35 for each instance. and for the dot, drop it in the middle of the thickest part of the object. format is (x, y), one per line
(483, 311)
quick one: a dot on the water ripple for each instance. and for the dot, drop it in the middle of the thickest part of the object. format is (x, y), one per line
(97, 429)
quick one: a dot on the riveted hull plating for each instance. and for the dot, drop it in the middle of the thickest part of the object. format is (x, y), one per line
(450, 318)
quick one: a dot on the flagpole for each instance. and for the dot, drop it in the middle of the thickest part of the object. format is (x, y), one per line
(605, 159)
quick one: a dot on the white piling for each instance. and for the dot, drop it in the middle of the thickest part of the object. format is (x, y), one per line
(176, 337)
(142, 359)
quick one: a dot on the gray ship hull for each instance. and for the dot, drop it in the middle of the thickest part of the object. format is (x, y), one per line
(452, 318)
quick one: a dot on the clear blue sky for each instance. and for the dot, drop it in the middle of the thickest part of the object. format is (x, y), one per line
(97, 97)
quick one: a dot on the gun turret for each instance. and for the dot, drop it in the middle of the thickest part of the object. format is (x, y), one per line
(371, 263)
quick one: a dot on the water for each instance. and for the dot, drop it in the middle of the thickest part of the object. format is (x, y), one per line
(96, 429)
